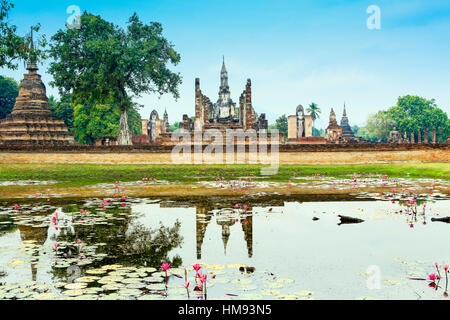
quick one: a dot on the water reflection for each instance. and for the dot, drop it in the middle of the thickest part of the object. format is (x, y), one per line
(220, 211)
(147, 232)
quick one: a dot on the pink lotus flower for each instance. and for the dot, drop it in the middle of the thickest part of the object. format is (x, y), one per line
(123, 204)
(245, 206)
(236, 205)
(197, 267)
(186, 284)
(55, 246)
(16, 206)
(446, 267)
(123, 198)
(165, 266)
(432, 276)
(78, 240)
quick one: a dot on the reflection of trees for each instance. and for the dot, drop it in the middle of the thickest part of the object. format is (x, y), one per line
(152, 246)
(127, 243)
(7, 228)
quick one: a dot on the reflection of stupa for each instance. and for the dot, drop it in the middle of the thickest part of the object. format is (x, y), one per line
(39, 236)
(203, 218)
(202, 221)
(248, 234)
(226, 224)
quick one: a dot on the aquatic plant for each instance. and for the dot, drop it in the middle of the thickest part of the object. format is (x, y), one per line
(165, 266)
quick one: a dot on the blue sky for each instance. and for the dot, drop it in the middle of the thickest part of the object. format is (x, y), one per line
(295, 52)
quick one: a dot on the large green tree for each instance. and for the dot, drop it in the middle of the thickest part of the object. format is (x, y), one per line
(9, 90)
(93, 122)
(416, 114)
(102, 62)
(14, 47)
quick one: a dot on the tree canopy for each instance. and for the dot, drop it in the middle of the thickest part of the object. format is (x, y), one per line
(411, 114)
(9, 90)
(101, 62)
(93, 122)
(281, 124)
(416, 114)
(88, 123)
(314, 111)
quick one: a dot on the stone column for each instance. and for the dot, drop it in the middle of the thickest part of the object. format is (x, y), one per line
(412, 138)
(434, 135)
(425, 136)
(419, 137)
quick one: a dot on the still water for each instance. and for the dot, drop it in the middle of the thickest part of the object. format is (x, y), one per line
(293, 248)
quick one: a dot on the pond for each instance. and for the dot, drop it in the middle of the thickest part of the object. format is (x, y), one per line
(250, 247)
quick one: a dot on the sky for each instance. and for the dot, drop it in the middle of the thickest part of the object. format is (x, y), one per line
(294, 51)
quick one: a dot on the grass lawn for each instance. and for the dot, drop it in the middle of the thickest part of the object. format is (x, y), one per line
(88, 174)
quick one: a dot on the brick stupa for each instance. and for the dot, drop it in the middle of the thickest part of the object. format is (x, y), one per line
(31, 121)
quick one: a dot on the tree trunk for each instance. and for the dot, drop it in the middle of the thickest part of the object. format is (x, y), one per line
(124, 138)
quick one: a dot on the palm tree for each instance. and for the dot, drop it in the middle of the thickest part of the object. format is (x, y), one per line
(314, 111)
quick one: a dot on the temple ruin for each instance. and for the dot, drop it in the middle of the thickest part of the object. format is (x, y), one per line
(224, 114)
(300, 129)
(31, 120)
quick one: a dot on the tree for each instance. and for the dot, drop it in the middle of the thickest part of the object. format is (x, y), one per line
(63, 109)
(102, 62)
(318, 132)
(314, 111)
(364, 133)
(175, 126)
(14, 47)
(87, 123)
(416, 114)
(282, 125)
(9, 90)
(379, 125)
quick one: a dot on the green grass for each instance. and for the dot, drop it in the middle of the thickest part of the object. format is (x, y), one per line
(87, 174)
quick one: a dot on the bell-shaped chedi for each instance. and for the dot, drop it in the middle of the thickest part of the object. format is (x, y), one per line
(346, 129)
(32, 122)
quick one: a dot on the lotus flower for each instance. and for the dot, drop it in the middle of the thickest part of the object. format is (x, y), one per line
(165, 266)
(197, 267)
(186, 284)
(446, 267)
(432, 276)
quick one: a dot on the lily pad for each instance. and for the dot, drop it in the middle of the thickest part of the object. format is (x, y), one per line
(73, 293)
(75, 286)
